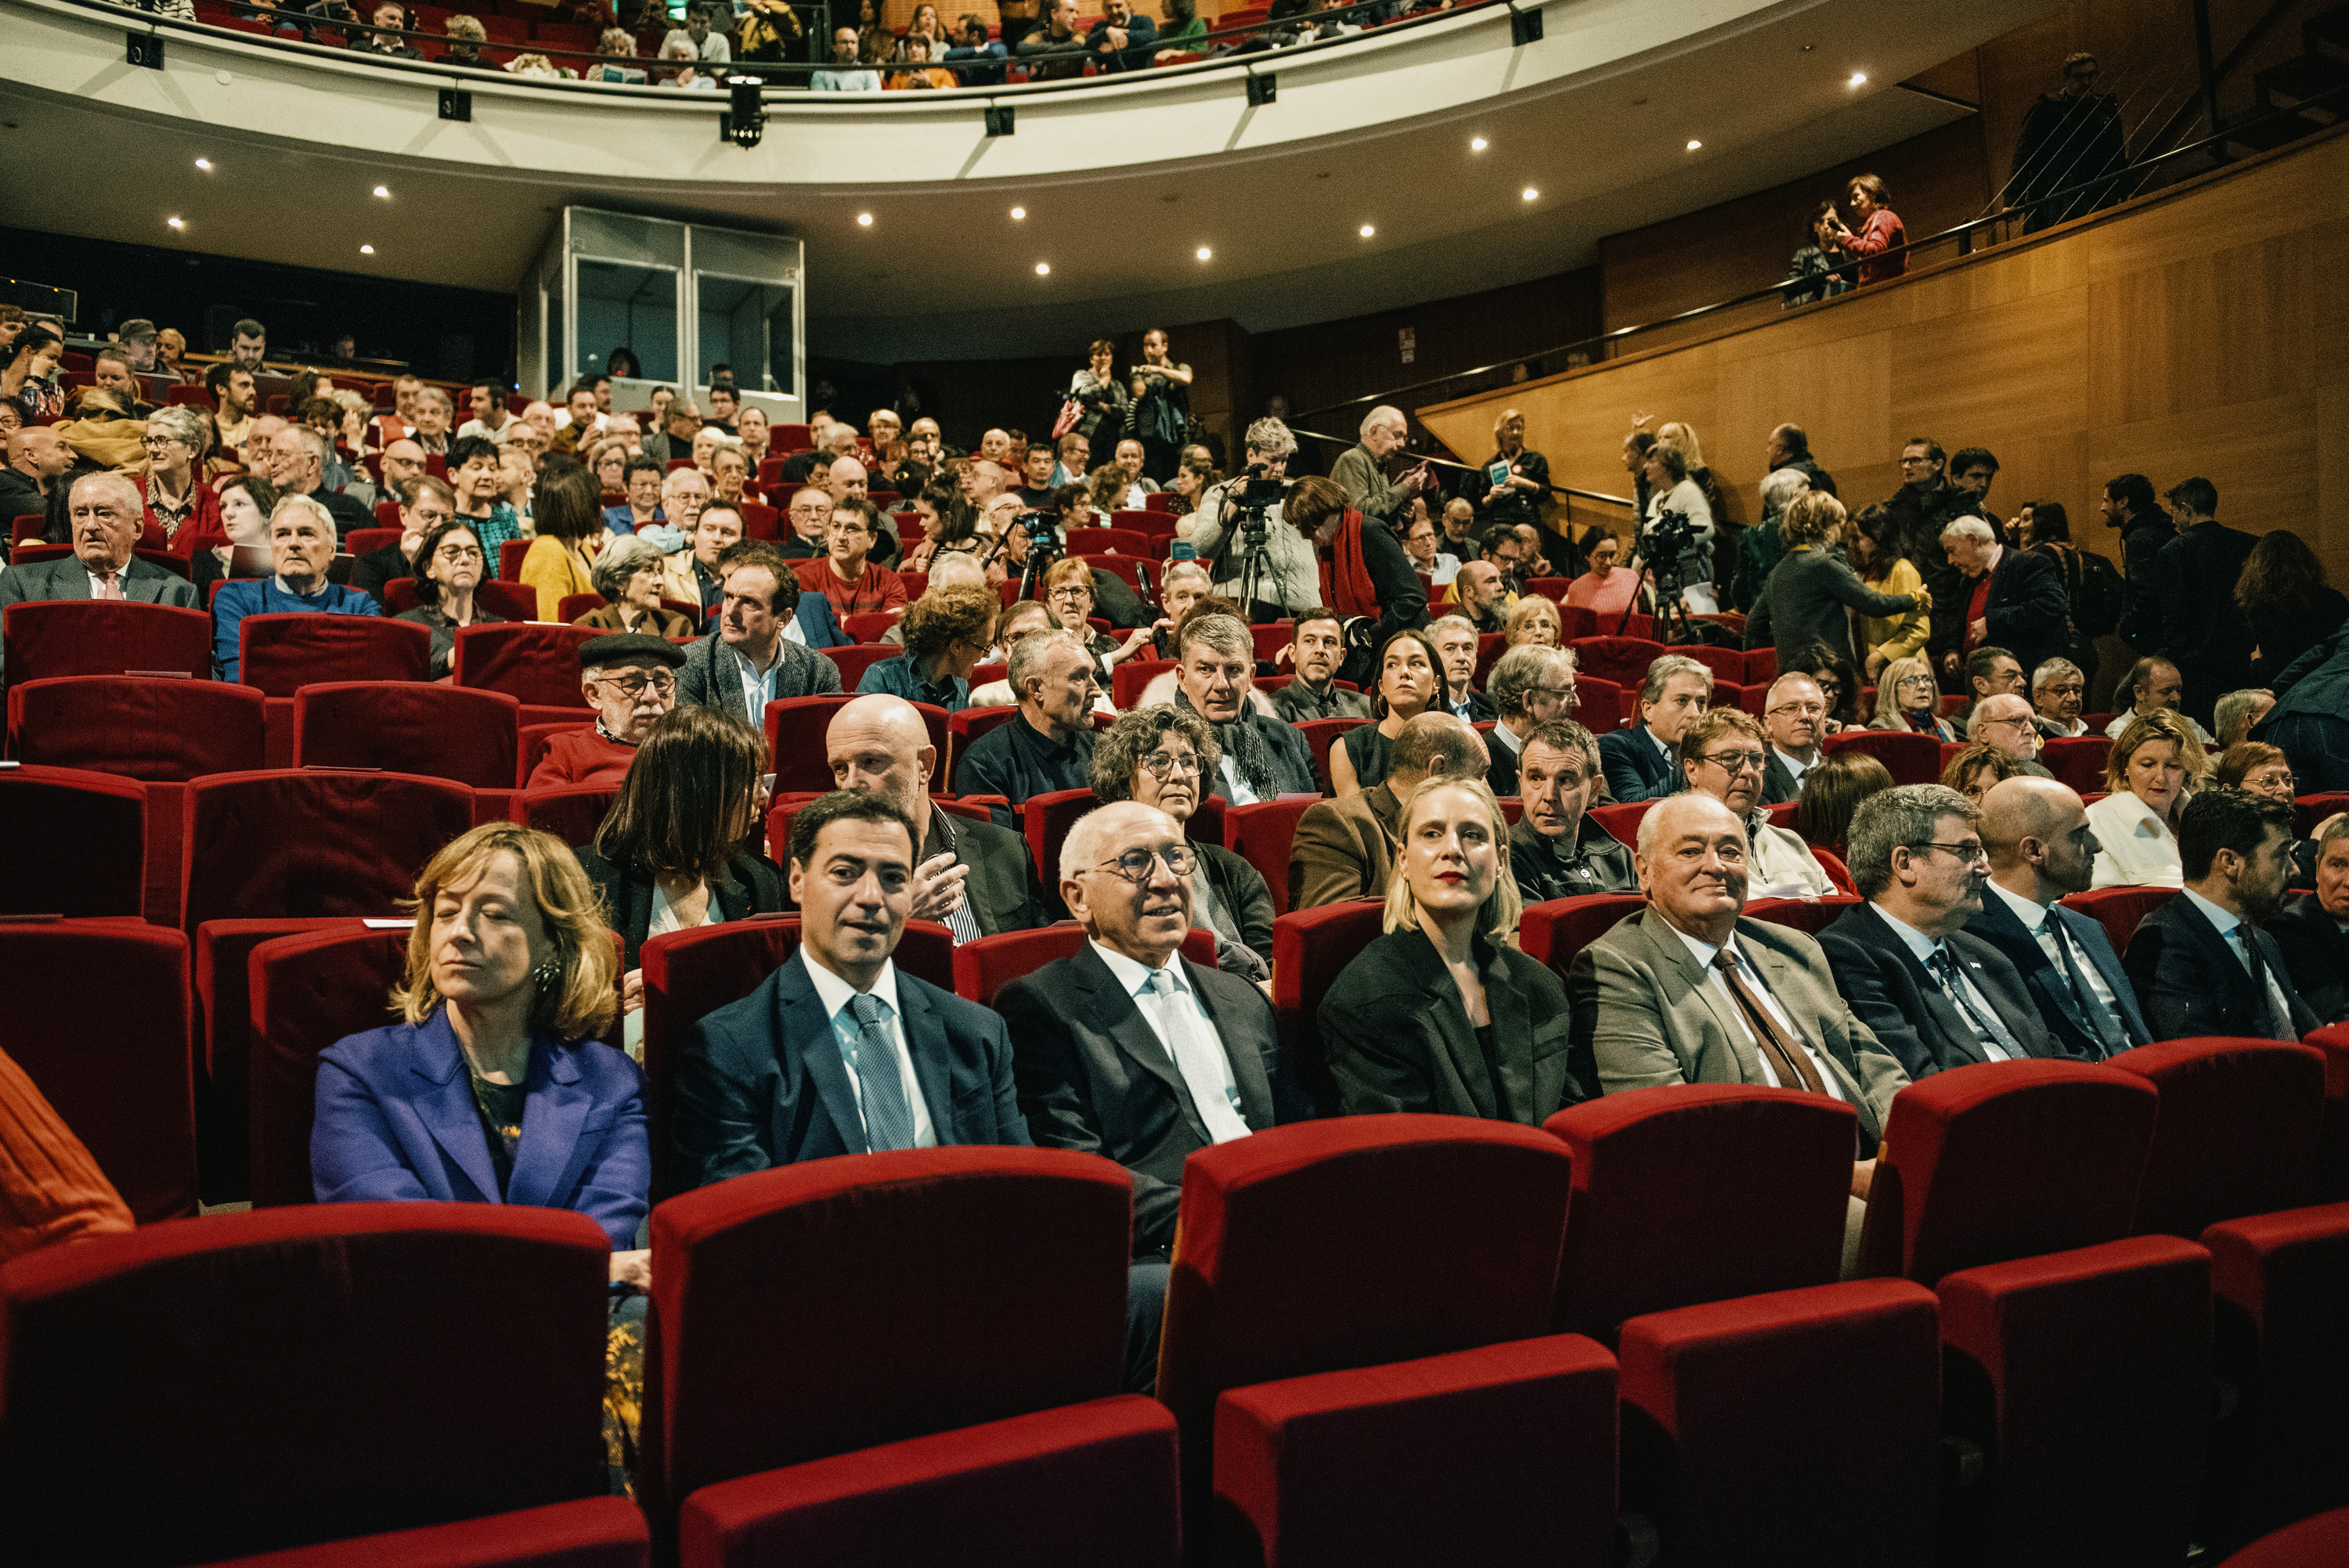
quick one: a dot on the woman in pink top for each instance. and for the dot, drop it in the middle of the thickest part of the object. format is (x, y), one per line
(1606, 589)
(1871, 202)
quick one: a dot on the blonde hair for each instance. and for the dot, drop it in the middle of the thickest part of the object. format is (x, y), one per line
(2160, 725)
(1807, 517)
(582, 999)
(1531, 605)
(1501, 910)
(1681, 438)
(1069, 569)
(1501, 422)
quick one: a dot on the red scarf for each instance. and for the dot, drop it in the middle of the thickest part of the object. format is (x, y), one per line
(1346, 585)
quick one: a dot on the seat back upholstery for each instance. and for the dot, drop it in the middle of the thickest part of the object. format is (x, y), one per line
(2236, 1134)
(533, 662)
(98, 1018)
(160, 731)
(795, 732)
(409, 727)
(104, 638)
(1047, 820)
(282, 653)
(1263, 835)
(572, 812)
(286, 1378)
(2119, 910)
(1555, 930)
(787, 1325)
(1909, 758)
(1623, 660)
(1310, 948)
(983, 967)
(1696, 1193)
(2000, 1160)
(309, 992)
(2077, 760)
(1320, 735)
(292, 843)
(80, 847)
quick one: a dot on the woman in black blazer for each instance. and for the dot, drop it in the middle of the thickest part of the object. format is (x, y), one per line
(670, 854)
(1163, 757)
(1441, 1014)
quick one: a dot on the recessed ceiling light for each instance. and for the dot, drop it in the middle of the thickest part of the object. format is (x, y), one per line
(174, 222)
(1043, 268)
(1694, 144)
(1478, 145)
(1530, 193)
(865, 220)
(204, 163)
(366, 250)
(1204, 254)
(1368, 230)
(1020, 212)
(1858, 79)
(383, 192)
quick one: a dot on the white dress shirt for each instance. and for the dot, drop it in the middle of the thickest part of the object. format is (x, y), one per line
(836, 993)
(1236, 790)
(2046, 930)
(1702, 953)
(1922, 948)
(2134, 847)
(2128, 717)
(1795, 766)
(1223, 1122)
(2231, 926)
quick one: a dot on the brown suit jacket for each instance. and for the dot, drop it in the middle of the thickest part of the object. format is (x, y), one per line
(1344, 848)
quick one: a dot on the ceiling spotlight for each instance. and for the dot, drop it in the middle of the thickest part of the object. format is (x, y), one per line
(383, 192)
(1368, 230)
(174, 222)
(204, 163)
(1204, 254)
(1018, 212)
(1043, 268)
(1694, 144)
(366, 250)
(1858, 79)
(1529, 192)
(1478, 145)
(865, 220)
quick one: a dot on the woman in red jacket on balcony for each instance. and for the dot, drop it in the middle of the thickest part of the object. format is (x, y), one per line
(1871, 203)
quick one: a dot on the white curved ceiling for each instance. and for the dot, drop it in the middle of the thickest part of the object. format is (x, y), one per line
(1121, 182)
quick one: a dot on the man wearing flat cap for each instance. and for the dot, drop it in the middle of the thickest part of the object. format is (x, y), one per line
(630, 680)
(137, 338)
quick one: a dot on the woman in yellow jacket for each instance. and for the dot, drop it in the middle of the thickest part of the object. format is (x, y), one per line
(1884, 569)
(561, 561)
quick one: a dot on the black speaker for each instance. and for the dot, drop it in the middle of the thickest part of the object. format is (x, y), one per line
(1524, 27)
(1261, 90)
(999, 119)
(143, 49)
(456, 103)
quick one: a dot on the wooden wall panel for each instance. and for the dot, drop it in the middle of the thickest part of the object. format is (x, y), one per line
(2202, 330)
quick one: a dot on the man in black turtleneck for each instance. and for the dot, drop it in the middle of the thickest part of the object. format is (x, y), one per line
(1263, 758)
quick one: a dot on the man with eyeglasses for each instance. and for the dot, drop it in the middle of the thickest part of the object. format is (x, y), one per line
(1128, 1049)
(1722, 755)
(1794, 718)
(1936, 996)
(630, 680)
(848, 577)
(425, 503)
(2006, 722)
(811, 517)
(1555, 850)
(1530, 686)
(2058, 690)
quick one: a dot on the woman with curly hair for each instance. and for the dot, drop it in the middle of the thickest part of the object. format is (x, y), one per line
(948, 632)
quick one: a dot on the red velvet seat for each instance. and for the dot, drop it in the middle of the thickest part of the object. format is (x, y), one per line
(2236, 1134)
(2077, 760)
(1727, 665)
(1554, 931)
(2332, 1143)
(1599, 703)
(360, 540)
(104, 638)
(1310, 948)
(308, 991)
(870, 625)
(338, 1390)
(785, 1332)
(1327, 1246)
(1047, 820)
(507, 601)
(1126, 680)
(98, 1018)
(2308, 810)
(2319, 1543)
(413, 726)
(311, 843)
(1107, 542)
(2119, 910)
(2280, 1288)
(688, 974)
(1621, 821)
(1809, 915)
(1262, 835)
(1847, 1376)
(796, 739)
(1134, 571)
(856, 658)
(1623, 660)
(1909, 758)
(983, 967)
(80, 842)
(596, 1533)
(534, 662)
(280, 653)
(570, 812)
(1321, 734)
(966, 728)
(1102, 1473)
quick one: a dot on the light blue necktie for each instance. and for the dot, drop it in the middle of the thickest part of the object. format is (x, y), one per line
(888, 1123)
(1944, 966)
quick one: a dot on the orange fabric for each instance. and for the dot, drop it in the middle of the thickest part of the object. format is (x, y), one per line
(1346, 584)
(50, 1188)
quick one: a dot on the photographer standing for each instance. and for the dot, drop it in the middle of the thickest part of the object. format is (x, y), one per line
(1227, 534)
(1367, 577)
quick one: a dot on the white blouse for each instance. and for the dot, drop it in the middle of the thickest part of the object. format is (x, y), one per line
(2135, 848)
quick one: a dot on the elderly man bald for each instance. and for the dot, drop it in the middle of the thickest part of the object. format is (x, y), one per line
(977, 879)
(2041, 847)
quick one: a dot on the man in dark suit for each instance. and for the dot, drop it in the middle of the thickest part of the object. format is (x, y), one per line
(1793, 716)
(975, 878)
(2314, 933)
(2204, 632)
(1555, 850)
(1994, 594)
(1643, 762)
(1932, 995)
(2041, 848)
(747, 663)
(1263, 759)
(1129, 1050)
(2200, 963)
(106, 518)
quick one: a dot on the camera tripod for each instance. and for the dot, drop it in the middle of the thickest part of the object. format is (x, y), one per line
(1671, 617)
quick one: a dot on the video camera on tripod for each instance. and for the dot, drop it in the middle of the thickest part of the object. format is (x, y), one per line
(1045, 547)
(1248, 498)
(1661, 547)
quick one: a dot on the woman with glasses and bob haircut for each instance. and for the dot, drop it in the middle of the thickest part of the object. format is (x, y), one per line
(1162, 756)
(1068, 595)
(181, 508)
(449, 568)
(1441, 1014)
(1909, 698)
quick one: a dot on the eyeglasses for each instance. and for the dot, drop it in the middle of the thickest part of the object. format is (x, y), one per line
(1163, 763)
(1905, 682)
(1735, 761)
(153, 442)
(2272, 777)
(2069, 688)
(1564, 691)
(1968, 853)
(1072, 592)
(454, 552)
(1803, 710)
(1135, 865)
(662, 682)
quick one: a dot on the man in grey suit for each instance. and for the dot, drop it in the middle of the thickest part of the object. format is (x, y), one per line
(748, 662)
(105, 510)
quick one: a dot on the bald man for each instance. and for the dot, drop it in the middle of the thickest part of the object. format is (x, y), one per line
(2041, 847)
(977, 879)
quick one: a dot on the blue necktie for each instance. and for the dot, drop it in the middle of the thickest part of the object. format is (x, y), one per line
(888, 1123)
(1945, 969)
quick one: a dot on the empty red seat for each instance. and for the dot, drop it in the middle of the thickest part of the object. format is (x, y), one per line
(336, 1343)
(2077, 760)
(2279, 1287)
(572, 812)
(983, 967)
(853, 660)
(1047, 820)
(1262, 834)
(1127, 679)
(2332, 1143)
(1623, 660)
(2319, 1543)
(80, 843)
(1310, 948)
(2119, 910)
(598, 1533)
(281, 653)
(1108, 541)
(507, 601)
(1554, 931)
(308, 991)
(2235, 1133)
(534, 662)
(1909, 758)
(2308, 810)
(787, 1334)
(104, 638)
(417, 727)
(313, 843)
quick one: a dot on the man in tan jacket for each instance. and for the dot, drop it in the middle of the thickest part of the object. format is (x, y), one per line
(1343, 849)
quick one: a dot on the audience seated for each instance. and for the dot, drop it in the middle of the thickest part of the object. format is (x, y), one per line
(1441, 1014)
(1457, 642)
(37, 460)
(848, 577)
(1555, 850)
(1014, 625)
(1345, 847)
(1412, 681)
(975, 878)
(630, 679)
(1607, 588)
(1126, 1049)
(1794, 719)
(179, 506)
(692, 575)
(2235, 715)
(946, 633)
(2153, 765)
(1909, 701)
(298, 468)
(1935, 997)
(301, 548)
(1832, 791)
(1316, 648)
(1977, 768)
(750, 660)
(1163, 757)
(2203, 963)
(1643, 760)
(1722, 754)
(1988, 672)
(424, 504)
(2155, 686)
(51, 1189)
(2058, 691)
(104, 513)
(1263, 758)
(1530, 686)
(628, 574)
(2041, 848)
(448, 568)
(2312, 933)
(2007, 721)
(1048, 746)
(475, 477)
(561, 561)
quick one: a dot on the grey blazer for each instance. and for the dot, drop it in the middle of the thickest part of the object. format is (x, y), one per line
(709, 679)
(1652, 1016)
(143, 583)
